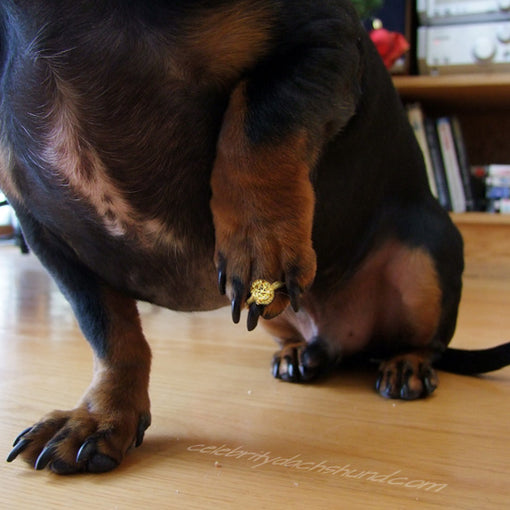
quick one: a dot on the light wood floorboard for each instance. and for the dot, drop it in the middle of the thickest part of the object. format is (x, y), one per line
(331, 445)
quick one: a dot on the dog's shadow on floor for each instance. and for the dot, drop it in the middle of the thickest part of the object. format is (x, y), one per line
(350, 375)
(357, 377)
(155, 450)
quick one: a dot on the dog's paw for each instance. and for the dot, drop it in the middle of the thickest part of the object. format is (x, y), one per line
(80, 440)
(408, 377)
(267, 245)
(301, 362)
(251, 259)
(263, 207)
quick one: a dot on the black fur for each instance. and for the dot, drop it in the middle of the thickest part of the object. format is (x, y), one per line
(112, 118)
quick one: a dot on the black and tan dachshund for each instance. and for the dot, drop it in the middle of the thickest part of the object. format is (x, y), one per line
(153, 149)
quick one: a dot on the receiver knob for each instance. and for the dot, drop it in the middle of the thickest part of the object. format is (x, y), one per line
(503, 33)
(484, 49)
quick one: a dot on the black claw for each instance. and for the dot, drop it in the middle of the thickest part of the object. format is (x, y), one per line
(238, 290)
(276, 366)
(292, 374)
(236, 311)
(290, 367)
(143, 425)
(385, 379)
(405, 393)
(378, 381)
(44, 457)
(428, 386)
(20, 446)
(291, 370)
(86, 450)
(222, 274)
(294, 295)
(26, 431)
(405, 390)
(253, 316)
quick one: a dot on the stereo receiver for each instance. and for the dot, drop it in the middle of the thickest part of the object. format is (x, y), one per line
(442, 12)
(474, 47)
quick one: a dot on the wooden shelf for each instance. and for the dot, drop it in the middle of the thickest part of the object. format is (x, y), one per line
(481, 218)
(482, 104)
(467, 91)
(6, 230)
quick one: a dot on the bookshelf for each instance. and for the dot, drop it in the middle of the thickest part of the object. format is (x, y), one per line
(459, 91)
(482, 103)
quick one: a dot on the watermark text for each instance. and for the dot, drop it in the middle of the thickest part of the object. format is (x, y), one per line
(298, 463)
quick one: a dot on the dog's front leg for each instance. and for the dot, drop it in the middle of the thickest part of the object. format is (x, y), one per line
(274, 128)
(115, 411)
(262, 205)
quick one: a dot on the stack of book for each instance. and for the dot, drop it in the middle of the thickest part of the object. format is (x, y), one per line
(495, 180)
(446, 160)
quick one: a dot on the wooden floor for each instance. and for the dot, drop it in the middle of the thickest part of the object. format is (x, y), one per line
(226, 435)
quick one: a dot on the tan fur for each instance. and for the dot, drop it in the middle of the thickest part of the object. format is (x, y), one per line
(221, 42)
(395, 293)
(116, 400)
(6, 168)
(76, 165)
(412, 273)
(263, 200)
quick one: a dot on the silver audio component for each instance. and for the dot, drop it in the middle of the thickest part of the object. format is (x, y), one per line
(474, 47)
(447, 12)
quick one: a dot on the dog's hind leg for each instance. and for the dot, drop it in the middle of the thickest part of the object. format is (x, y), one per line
(411, 318)
(425, 275)
(396, 307)
(115, 410)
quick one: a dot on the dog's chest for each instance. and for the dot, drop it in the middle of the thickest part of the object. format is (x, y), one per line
(123, 178)
(116, 137)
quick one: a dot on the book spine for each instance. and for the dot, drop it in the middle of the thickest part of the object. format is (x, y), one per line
(463, 161)
(501, 206)
(416, 119)
(498, 170)
(495, 192)
(437, 164)
(451, 165)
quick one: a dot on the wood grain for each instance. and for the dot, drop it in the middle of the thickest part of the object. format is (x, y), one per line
(461, 90)
(226, 435)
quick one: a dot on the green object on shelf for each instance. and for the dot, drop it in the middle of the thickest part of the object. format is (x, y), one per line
(366, 7)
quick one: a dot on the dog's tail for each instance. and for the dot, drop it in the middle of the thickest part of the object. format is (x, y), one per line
(471, 362)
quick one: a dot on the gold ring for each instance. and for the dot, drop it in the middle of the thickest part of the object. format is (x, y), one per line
(262, 292)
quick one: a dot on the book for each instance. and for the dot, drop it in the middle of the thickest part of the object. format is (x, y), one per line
(417, 121)
(494, 182)
(497, 170)
(501, 206)
(502, 180)
(450, 160)
(497, 192)
(463, 161)
(437, 164)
